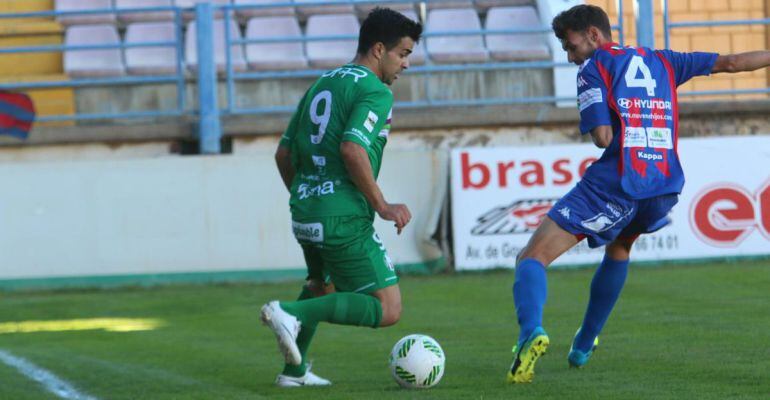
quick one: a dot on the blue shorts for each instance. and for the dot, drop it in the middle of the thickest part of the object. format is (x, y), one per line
(601, 218)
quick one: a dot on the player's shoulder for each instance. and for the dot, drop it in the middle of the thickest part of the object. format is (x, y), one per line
(357, 79)
(375, 90)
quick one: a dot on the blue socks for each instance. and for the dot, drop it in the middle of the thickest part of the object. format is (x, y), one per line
(529, 293)
(605, 289)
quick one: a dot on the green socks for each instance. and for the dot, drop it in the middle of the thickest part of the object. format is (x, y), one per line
(337, 308)
(303, 341)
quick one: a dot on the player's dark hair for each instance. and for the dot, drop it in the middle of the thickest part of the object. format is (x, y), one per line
(386, 26)
(579, 18)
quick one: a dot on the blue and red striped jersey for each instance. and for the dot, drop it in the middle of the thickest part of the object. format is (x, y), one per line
(633, 89)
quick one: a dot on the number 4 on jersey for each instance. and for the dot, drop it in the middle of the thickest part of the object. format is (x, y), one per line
(637, 65)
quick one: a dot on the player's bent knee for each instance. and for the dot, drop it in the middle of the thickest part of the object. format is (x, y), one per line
(316, 287)
(391, 313)
(620, 249)
(390, 301)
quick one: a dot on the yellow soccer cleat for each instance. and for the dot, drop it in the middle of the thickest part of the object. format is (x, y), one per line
(523, 367)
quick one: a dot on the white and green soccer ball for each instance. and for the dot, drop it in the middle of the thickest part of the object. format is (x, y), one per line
(417, 362)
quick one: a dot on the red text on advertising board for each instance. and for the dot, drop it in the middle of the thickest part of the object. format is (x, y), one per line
(725, 214)
(478, 174)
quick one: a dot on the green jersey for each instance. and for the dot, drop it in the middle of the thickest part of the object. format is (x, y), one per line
(349, 103)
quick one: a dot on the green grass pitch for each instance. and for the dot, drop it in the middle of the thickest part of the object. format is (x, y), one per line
(679, 332)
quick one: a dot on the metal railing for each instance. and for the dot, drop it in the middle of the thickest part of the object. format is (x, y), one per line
(178, 78)
(429, 68)
(208, 110)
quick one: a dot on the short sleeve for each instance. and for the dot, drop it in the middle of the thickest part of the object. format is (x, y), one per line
(291, 129)
(689, 65)
(592, 98)
(368, 117)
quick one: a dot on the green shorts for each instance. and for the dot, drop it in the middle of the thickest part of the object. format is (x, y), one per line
(347, 251)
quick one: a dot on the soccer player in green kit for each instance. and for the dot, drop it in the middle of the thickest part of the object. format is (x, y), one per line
(329, 158)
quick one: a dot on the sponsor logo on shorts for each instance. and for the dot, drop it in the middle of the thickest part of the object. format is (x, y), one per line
(602, 222)
(521, 216)
(614, 209)
(312, 232)
(598, 223)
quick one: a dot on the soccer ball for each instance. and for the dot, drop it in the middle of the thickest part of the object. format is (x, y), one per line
(417, 361)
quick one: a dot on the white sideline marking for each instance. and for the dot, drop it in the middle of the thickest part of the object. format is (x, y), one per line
(51, 382)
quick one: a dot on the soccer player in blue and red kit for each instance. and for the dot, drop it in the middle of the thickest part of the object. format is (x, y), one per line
(628, 103)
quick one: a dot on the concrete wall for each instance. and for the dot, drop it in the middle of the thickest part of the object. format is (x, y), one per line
(134, 209)
(88, 212)
(468, 85)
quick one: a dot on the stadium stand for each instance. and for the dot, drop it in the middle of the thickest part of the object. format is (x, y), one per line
(236, 51)
(144, 16)
(449, 4)
(150, 60)
(81, 5)
(515, 46)
(271, 56)
(453, 49)
(96, 62)
(191, 3)
(363, 8)
(245, 14)
(306, 8)
(331, 53)
(483, 5)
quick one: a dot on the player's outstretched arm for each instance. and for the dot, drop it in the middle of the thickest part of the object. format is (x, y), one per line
(283, 161)
(360, 171)
(742, 62)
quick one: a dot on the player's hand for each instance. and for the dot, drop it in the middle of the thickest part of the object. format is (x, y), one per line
(397, 213)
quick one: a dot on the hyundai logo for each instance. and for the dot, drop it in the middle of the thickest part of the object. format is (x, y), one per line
(624, 102)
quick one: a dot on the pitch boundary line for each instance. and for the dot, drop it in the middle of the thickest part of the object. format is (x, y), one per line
(50, 382)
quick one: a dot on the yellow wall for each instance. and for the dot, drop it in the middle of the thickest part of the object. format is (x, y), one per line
(30, 67)
(723, 40)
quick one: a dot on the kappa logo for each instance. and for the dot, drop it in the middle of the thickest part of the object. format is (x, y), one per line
(521, 216)
(581, 81)
(649, 156)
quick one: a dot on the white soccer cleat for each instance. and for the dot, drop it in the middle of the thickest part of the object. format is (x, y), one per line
(309, 379)
(286, 328)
